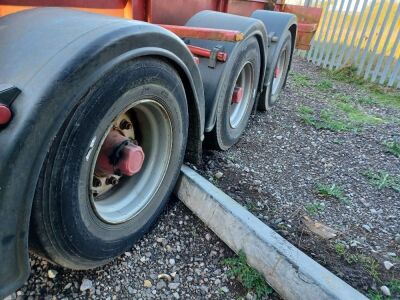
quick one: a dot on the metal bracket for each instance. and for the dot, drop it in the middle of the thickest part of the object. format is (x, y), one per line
(8, 93)
(212, 63)
(272, 38)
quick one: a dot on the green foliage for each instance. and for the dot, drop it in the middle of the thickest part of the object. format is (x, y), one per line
(375, 295)
(393, 147)
(340, 249)
(332, 190)
(379, 95)
(300, 79)
(356, 115)
(324, 85)
(250, 278)
(314, 208)
(394, 286)
(382, 179)
(326, 120)
(369, 264)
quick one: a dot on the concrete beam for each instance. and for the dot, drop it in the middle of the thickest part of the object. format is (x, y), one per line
(289, 271)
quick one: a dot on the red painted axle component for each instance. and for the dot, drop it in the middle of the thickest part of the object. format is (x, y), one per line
(277, 72)
(119, 155)
(203, 52)
(205, 33)
(237, 95)
(5, 114)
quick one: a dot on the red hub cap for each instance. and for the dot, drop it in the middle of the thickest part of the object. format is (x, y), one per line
(237, 95)
(5, 114)
(119, 155)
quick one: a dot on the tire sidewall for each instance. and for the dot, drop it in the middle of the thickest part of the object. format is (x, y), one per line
(268, 98)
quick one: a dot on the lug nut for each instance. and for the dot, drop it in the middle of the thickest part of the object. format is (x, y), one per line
(111, 180)
(125, 125)
(96, 182)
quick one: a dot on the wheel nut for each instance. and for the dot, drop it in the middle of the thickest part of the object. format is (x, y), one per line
(125, 125)
(96, 182)
(111, 180)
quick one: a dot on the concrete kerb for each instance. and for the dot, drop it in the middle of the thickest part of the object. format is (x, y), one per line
(289, 271)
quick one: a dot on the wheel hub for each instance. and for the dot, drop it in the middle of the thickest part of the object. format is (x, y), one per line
(119, 156)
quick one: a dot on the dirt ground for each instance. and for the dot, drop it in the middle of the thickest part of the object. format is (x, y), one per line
(322, 155)
(320, 152)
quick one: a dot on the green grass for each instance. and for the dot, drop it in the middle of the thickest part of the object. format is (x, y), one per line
(250, 278)
(300, 79)
(382, 179)
(394, 287)
(342, 116)
(356, 115)
(325, 120)
(393, 147)
(379, 95)
(314, 208)
(369, 264)
(324, 85)
(333, 191)
(340, 249)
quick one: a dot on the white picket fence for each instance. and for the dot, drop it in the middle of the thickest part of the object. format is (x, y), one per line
(361, 33)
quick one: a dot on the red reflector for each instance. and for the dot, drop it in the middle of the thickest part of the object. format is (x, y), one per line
(5, 114)
(237, 95)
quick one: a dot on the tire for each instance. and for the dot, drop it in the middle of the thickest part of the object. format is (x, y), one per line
(228, 129)
(67, 224)
(270, 95)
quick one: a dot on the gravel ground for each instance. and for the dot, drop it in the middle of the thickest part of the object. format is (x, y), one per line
(276, 166)
(273, 171)
(180, 249)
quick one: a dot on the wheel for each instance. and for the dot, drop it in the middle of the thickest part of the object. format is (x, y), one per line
(112, 167)
(277, 77)
(236, 98)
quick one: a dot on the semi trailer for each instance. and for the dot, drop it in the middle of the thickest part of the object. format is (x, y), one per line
(102, 101)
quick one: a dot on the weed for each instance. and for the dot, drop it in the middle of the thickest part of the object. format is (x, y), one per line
(340, 249)
(379, 95)
(326, 120)
(356, 115)
(369, 264)
(375, 295)
(250, 278)
(314, 207)
(393, 147)
(324, 85)
(394, 286)
(382, 179)
(332, 191)
(300, 79)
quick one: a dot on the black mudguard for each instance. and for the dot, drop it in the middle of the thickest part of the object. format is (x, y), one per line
(277, 23)
(213, 78)
(54, 56)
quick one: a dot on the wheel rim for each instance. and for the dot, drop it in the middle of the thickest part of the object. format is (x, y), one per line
(279, 72)
(122, 197)
(244, 84)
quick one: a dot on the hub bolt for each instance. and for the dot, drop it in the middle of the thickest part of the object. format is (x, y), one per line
(112, 180)
(125, 125)
(96, 182)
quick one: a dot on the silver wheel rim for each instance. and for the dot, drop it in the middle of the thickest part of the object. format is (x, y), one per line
(280, 66)
(124, 200)
(245, 80)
